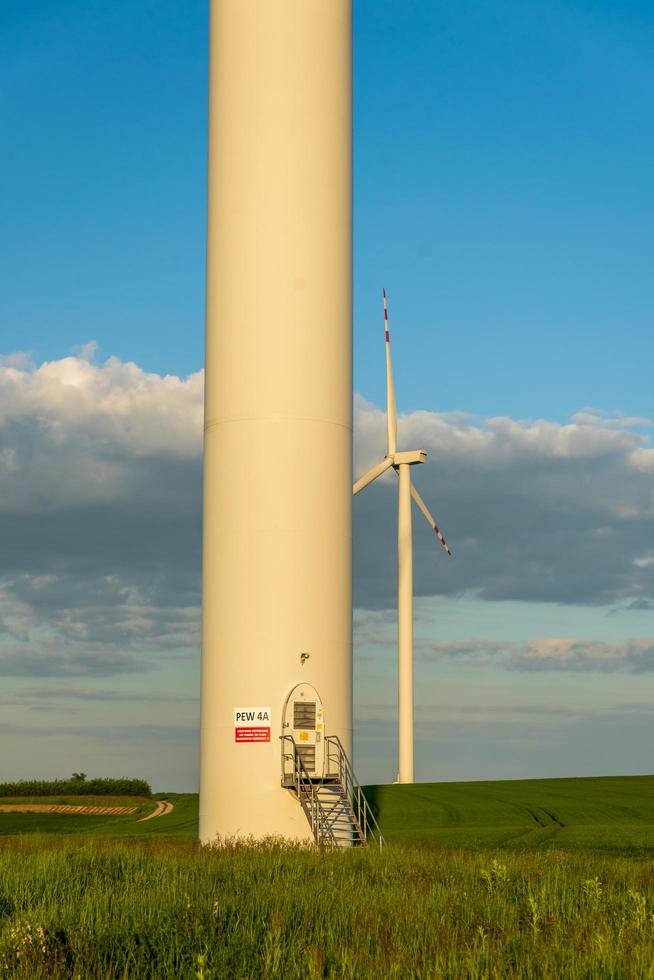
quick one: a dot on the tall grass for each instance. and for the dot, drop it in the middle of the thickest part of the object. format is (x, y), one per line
(80, 908)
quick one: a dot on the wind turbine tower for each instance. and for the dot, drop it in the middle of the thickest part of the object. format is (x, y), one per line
(277, 598)
(402, 462)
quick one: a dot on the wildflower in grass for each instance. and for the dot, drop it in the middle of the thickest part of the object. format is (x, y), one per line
(534, 915)
(26, 940)
(496, 876)
(638, 907)
(593, 889)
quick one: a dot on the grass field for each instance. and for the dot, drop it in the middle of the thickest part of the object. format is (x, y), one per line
(549, 879)
(615, 814)
(72, 907)
(180, 824)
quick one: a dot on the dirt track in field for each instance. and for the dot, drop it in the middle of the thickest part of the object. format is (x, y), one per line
(99, 811)
(162, 808)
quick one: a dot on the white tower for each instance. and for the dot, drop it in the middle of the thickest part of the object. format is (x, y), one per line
(278, 410)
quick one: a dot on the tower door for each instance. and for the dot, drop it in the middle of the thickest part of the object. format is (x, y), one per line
(304, 720)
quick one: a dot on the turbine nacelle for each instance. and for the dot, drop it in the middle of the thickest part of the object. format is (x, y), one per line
(410, 458)
(394, 460)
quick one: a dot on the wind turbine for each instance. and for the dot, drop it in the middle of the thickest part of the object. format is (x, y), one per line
(401, 463)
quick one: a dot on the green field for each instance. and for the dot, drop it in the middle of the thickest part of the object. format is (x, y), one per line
(550, 879)
(613, 814)
(181, 824)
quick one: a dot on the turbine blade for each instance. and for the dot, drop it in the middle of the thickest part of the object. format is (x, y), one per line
(423, 507)
(371, 475)
(391, 411)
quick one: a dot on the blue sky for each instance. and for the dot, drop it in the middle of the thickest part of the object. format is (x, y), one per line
(504, 197)
(503, 193)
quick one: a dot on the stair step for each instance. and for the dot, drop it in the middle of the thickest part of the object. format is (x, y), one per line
(329, 803)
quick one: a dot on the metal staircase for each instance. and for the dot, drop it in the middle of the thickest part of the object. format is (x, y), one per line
(335, 805)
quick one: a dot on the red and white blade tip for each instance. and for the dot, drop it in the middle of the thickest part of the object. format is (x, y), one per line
(442, 539)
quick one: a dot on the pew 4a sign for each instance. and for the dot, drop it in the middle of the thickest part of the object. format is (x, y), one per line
(251, 724)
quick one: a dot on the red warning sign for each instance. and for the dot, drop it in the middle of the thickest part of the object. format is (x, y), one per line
(252, 724)
(251, 734)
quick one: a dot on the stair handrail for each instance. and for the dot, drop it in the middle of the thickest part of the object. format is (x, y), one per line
(352, 788)
(306, 794)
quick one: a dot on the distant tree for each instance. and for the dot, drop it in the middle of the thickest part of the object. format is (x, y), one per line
(79, 784)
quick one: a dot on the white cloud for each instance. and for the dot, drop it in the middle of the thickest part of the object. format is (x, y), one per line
(102, 410)
(100, 492)
(533, 510)
(610, 419)
(632, 656)
(99, 515)
(645, 561)
(643, 459)
(491, 442)
(20, 360)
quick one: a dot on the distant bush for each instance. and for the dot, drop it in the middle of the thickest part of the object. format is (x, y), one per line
(78, 785)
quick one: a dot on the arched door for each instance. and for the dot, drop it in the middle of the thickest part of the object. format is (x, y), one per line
(304, 720)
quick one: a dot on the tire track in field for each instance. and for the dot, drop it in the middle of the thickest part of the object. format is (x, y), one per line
(545, 819)
(553, 817)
